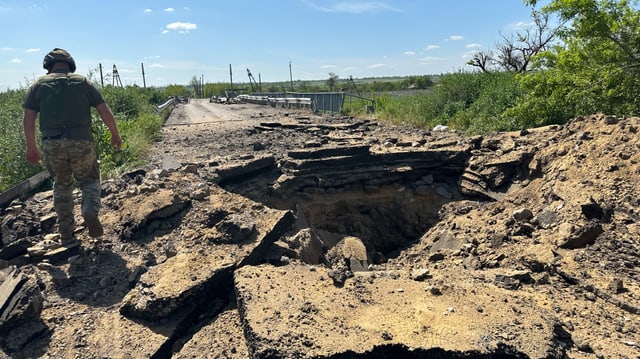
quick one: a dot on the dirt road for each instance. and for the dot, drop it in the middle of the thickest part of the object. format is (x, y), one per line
(201, 111)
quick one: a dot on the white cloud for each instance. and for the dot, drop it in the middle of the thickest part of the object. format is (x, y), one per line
(473, 46)
(148, 10)
(157, 66)
(6, 49)
(31, 50)
(15, 61)
(182, 27)
(169, 9)
(456, 38)
(164, 31)
(432, 47)
(409, 53)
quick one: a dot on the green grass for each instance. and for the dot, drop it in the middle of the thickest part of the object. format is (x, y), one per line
(471, 103)
(13, 166)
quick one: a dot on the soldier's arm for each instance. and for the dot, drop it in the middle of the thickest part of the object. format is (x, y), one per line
(110, 121)
(29, 124)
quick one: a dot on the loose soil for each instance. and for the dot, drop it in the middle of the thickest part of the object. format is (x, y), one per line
(260, 232)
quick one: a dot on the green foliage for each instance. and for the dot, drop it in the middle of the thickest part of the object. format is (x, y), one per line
(155, 96)
(498, 92)
(137, 134)
(596, 70)
(176, 90)
(332, 81)
(468, 102)
(215, 89)
(138, 125)
(417, 82)
(13, 166)
(125, 102)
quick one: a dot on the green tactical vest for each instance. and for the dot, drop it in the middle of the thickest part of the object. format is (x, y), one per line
(64, 101)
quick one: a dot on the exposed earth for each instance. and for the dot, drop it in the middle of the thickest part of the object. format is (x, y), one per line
(260, 232)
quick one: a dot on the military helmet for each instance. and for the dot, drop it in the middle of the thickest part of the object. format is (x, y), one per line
(56, 55)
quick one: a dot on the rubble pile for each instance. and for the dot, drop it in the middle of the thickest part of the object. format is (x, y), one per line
(303, 236)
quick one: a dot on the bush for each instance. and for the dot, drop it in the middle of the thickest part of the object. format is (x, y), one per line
(13, 166)
(126, 103)
(468, 102)
(138, 125)
(137, 135)
(499, 92)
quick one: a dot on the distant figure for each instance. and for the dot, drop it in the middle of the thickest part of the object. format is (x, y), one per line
(64, 100)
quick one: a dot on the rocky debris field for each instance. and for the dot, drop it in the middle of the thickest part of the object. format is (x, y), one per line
(258, 232)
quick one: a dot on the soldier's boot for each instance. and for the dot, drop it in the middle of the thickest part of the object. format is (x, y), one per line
(67, 236)
(91, 206)
(92, 222)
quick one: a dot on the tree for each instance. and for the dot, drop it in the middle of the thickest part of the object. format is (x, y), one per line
(196, 85)
(595, 68)
(417, 82)
(484, 60)
(212, 89)
(515, 53)
(176, 90)
(332, 81)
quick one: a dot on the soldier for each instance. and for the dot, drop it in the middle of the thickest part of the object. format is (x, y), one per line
(63, 101)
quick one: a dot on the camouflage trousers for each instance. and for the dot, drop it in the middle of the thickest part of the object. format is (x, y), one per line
(69, 160)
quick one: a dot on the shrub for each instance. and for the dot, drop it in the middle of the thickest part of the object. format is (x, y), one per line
(13, 166)
(467, 102)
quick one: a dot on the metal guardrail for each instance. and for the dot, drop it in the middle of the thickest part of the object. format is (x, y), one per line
(321, 101)
(23, 187)
(171, 101)
(258, 100)
(289, 102)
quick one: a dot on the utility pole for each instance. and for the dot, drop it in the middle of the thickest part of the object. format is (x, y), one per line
(231, 76)
(144, 81)
(290, 76)
(101, 78)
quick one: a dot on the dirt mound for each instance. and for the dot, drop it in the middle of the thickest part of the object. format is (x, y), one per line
(263, 233)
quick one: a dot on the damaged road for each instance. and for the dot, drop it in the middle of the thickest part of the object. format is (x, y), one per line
(259, 232)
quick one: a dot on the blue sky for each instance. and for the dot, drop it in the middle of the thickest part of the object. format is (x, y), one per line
(177, 40)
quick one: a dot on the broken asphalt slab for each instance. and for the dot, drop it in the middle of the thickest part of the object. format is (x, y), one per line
(301, 314)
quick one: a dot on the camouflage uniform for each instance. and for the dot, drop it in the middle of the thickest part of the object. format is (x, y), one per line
(66, 159)
(64, 100)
